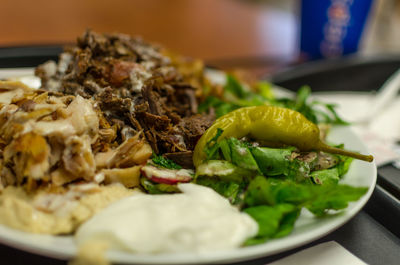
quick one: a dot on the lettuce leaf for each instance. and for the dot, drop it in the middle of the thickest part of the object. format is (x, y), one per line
(264, 160)
(317, 198)
(272, 161)
(275, 204)
(278, 161)
(229, 189)
(241, 155)
(224, 170)
(344, 165)
(287, 223)
(326, 176)
(271, 220)
(333, 197)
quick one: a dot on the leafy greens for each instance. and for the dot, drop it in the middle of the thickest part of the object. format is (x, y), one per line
(273, 185)
(275, 203)
(237, 95)
(161, 161)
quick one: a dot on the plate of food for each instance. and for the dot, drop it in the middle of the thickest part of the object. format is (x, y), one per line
(125, 152)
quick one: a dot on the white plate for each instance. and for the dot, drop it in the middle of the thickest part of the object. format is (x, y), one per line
(307, 228)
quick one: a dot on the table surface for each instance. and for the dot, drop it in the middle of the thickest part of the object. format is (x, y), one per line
(261, 35)
(206, 29)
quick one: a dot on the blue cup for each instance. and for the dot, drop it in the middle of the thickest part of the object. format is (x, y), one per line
(332, 28)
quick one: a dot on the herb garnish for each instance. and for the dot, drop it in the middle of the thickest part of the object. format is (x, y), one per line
(164, 162)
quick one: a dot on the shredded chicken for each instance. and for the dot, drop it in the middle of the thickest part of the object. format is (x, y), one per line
(51, 139)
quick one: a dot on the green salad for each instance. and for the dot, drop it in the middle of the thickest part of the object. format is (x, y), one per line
(272, 182)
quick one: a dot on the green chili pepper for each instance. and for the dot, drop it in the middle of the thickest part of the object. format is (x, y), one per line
(275, 125)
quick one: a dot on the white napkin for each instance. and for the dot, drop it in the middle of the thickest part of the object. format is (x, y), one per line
(330, 253)
(383, 130)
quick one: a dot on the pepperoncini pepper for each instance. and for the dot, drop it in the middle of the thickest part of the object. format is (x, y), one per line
(275, 125)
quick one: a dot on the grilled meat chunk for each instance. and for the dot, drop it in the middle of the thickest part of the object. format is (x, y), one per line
(136, 85)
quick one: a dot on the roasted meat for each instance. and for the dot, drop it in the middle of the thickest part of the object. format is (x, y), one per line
(137, 86)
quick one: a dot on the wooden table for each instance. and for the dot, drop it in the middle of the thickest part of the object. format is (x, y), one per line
(223, 32)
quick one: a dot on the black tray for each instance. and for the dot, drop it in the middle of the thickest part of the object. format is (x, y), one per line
(373, 235)
(11, 57)
(353, 73)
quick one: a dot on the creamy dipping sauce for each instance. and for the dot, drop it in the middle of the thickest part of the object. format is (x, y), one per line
(196, 220)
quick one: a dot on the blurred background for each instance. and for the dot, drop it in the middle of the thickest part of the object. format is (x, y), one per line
(257, 34)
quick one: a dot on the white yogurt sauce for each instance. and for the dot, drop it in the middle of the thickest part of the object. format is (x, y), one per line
(196, 220)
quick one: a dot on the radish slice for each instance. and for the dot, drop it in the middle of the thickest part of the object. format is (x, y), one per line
(167, 176)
